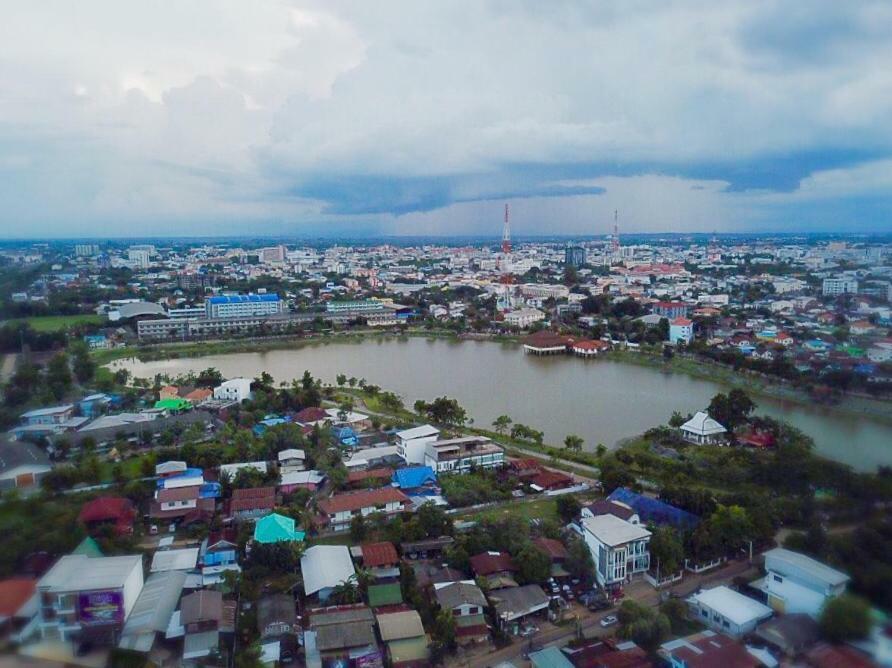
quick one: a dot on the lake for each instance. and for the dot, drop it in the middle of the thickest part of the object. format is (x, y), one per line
(603, 401)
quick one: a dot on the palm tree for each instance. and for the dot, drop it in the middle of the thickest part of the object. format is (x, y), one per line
(573, 442)
(501, 424)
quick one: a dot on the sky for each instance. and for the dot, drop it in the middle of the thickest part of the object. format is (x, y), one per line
(422, 117)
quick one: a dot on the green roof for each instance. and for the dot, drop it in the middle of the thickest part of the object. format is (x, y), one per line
(88, 547)
(550, 657)
(385, 594)
(409, 649)
(275, 528)
(174, 404)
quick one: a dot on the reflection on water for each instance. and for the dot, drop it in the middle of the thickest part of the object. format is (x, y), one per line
(600, 400)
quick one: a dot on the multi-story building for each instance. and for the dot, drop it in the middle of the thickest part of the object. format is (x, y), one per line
(681, 330)
(86, 250)
(272, 255)
(459, 455)
(94, 594)
(795, 583)
(411, 444)
(839, 285)
(355, 307)
(544, 291)
(619, 548)
(235, 306)
(671, 310)
(574, 256)
(524, 317)
(141, 258)
(728, 611)
(339, 510)
(237, 389)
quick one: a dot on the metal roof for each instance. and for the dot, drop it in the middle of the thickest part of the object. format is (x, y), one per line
(739, 609)
(152, 611)
(326, 566)
(242, 299)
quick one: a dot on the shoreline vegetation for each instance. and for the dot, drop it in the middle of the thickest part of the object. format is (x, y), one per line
(753, 383)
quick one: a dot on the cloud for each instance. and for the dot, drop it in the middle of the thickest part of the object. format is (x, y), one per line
(393, 114)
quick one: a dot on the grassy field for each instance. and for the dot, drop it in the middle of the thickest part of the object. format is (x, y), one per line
(543, 509)
(55, 323)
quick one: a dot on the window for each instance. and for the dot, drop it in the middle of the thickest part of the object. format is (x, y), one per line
(777, 578)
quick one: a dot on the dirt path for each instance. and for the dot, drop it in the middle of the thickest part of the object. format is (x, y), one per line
(7, 368)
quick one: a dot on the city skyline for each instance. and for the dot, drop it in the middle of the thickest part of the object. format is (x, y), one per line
(280, 118)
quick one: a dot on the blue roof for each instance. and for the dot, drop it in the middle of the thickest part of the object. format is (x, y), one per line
(414, 476)
(653, 510)
(239, 299)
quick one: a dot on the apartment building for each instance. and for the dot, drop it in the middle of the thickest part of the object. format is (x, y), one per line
(619, 548)
(233, 306)
(339, 510)
(459, 455)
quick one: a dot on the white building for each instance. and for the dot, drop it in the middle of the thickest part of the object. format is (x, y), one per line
(96, 592)
(840, 285)
(524, 317)
(619, 548)
(412, 443)
(797, 583)
(543, 291)
(725, 610)
(237, 389)
(324, 567)
(702, 430)
(240, 306)
(681, 330)
(459, 455)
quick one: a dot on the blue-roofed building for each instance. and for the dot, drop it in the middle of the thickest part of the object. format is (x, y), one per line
(235, 306)
(94, 404)
(654, 511)
(345, 435)
(415, 480)
(269, 421)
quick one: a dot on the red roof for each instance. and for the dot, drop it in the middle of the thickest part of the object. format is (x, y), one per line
(14, 593)
(587, 344)
(837, 656)
(311, 414)
(107, 509)
(682, 322)
(715, 650)
(553, 548)
(551, 480)
(362, 499)
(528, 464)
(252, 498)
(379, 554)
(177, 494)
(382, 473)
(488, 563)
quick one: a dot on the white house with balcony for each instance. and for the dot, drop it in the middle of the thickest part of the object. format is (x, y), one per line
(797, 583)
(237, 389)
(619, 548)
(460, 455)
(411, 443)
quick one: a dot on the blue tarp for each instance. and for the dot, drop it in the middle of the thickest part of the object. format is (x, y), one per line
(414, 477)
(654, 511)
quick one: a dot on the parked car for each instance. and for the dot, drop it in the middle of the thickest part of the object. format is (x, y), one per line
(609, 620)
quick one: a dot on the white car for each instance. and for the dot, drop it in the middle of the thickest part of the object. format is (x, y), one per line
(609, 620)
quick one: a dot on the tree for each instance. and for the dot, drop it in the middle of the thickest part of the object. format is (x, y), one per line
(341, 379)
(533, 565)
(666, 551)
(614, 475)
(645, 626)
(677, 419)
(433, 520)
(58, 375)
(568, 507)
(573, 443)
(731, 410)
(83, 365)
(501, 424)
(359, 529)
(844, 618)
(579, 561)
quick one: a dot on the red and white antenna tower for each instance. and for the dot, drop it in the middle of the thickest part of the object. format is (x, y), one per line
(615, 232)
(506, 279)
(506, 233)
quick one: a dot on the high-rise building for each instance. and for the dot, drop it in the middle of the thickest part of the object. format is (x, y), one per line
(272, 254)
(840, 286)
(574, 256)
(86, 250)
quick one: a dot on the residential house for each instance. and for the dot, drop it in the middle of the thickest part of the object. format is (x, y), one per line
(294, 480)
(376, 477)
(217, 553)
(795, 582)
(459, 455)
(608, 653)
(232, 470)
(703, 430)
(727, 611)
(619, 549)
(548, 480)
(427, 547)
(252, 503)
(411, 443)
(152, 612)
(513, 604)
(339, 510)
(681, 330)
(183, 559)
(291, 460)
(705, 650)
(276, 616)
(22, 464)
(608, 507)
(415, 480)
(556, 552)
(466, 603)
(170, 468)
(178, 502)
(403, 634)
(19, 605)
(653, 511)
(311, 416)
(202, 617)
(237, 389)
(324, 568)
(275, 528)
(497, 568)
(381, 559)
(114, 511)
(550, 657)
(88, 592)
(342, 634)
(790, 635)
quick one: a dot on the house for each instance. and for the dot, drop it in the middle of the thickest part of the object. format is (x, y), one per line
(794, 582)
(340, 636)
(178, 502)
(184, 559)
(291, 460)
(219, 549)
(237, 389)
(324, 568)
(426, 548)
(275, 528)
(415, 480)
(524, 317)
(276, 616)
(550, 657)
(170, 468)
(22, 464)
(619, 549)
(385, 594)
(705, 650)
(608, 653)
(232, 470)
(497, 568)
(702, 430)
(589, 348)
(294, 480)
(339, 510)
(411, 443)
(466, 603)
(311, 416)
(790, 635)
(727, 611)
(671, 309)
(152, 611)
(548, 480)
(381, 559)
(681, 330)
(252, 503)
(459, 455)
(403, 634)
(51, 416)
(654, 511)
(357, 421)
(201, 615)
(824, 655)
(556, 552)
(370, 477)
(608, 507)
(513, 604)
(113, 511)
(18, 609)
(94, 592)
